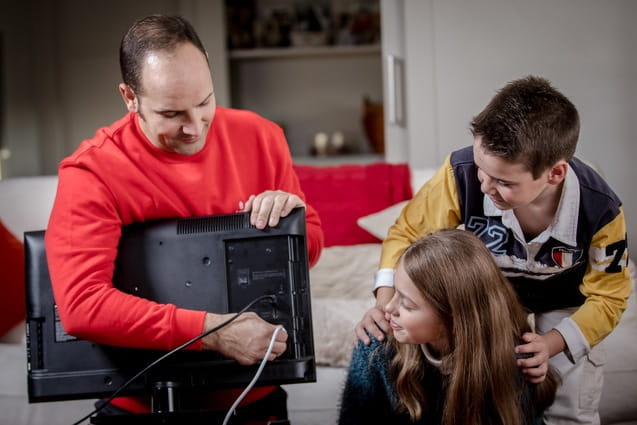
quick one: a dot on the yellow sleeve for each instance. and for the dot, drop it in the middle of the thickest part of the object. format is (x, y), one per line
(435, 206)
(606, 283)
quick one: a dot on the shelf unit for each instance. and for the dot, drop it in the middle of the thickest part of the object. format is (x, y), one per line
(333, 160)
(312, 86)
(294, 52)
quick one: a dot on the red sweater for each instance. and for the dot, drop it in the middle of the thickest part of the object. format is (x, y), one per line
(118, 177)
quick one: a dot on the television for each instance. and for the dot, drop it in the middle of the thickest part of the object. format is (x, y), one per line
(214, 263)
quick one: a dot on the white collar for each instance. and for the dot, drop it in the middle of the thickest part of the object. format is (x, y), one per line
(564, 225)
(430, 358)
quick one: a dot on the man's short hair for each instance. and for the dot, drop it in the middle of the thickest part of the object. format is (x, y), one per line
(152, 33)
(529, 122)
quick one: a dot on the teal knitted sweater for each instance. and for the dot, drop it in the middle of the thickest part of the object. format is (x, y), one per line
(369, 396)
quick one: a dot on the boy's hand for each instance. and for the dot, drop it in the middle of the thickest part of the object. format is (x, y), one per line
(542, 347)
(536, 367)
(374, 322)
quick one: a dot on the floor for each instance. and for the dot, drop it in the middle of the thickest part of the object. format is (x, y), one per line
(316, 403)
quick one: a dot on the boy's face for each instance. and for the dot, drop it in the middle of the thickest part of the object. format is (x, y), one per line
(509, 185)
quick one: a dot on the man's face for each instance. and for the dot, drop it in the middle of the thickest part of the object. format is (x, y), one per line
(177, 102)
(509, 185)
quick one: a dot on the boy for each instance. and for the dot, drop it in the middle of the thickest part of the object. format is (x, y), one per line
(554, 227)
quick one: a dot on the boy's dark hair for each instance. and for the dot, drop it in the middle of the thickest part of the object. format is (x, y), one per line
(152, 33)
(529, 122)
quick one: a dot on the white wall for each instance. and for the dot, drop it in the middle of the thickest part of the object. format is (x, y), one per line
(466, 50)
(19, 121)
(62, 73)
(62, 70)
(310, 94)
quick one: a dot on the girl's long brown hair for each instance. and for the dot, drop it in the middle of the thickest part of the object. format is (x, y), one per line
(457, 275)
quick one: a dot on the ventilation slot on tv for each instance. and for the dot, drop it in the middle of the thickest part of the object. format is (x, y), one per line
(220, 223)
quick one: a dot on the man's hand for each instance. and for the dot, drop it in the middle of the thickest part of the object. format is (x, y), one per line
(542, 347)
(269, 206)
(375, 322)
(246, 339)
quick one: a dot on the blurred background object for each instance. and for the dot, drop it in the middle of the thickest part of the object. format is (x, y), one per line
(301, 23)
(373, 124)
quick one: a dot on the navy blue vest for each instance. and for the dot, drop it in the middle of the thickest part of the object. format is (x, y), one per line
(551, 280)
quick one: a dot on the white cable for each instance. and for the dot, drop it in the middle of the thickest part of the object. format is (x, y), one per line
(256, 376)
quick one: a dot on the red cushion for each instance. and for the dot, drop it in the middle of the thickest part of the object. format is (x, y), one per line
(342, 194)
(12, 301)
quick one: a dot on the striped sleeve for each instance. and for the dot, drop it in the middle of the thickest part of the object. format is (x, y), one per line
(606, 283)
(434, 207)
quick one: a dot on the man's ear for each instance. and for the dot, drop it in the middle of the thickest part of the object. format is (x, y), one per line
(129, 97)
(557, 172)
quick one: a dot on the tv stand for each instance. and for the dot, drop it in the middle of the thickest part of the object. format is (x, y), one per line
(165, 418)
(171, 418)
(166, 405)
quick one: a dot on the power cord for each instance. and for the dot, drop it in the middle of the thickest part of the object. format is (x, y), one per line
(256, 375)
(181, 347)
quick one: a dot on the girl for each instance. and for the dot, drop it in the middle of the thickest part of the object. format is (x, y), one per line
(451, 359)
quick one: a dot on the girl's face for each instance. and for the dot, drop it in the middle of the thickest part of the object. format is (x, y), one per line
(412, 318)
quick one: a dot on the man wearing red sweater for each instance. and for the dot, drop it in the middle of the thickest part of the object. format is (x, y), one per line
(175, 154)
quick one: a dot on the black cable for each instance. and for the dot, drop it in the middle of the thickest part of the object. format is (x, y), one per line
(170, 353)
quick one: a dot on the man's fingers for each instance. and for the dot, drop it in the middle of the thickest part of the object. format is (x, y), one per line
(247, 206)
(269, 206)
(290, 203)
(283, 205)
(260, 211)
(279, 348)
(278, 206)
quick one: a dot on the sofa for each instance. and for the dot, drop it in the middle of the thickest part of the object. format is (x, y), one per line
(357, 204)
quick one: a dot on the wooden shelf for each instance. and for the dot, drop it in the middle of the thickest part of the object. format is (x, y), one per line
(362, 158)
(292, 52)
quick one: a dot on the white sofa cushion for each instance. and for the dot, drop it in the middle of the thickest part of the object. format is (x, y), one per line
(26, 202)
(379, 223)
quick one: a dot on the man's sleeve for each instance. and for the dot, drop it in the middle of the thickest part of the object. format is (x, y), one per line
(81, 247)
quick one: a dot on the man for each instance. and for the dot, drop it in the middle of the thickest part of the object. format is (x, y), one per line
(175, 154)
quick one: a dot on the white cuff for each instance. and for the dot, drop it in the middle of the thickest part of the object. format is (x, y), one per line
(576, 343)
(384, 277)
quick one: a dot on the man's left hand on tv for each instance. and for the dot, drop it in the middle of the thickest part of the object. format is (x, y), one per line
(269, 206)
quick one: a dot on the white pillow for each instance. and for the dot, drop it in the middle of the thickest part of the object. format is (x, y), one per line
(345, 272)
(341, 285)
(420, 176)
(334, 320)
(379, 223)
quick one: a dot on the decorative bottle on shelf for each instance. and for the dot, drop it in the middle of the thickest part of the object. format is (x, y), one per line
(373, 124)
(320, 145)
